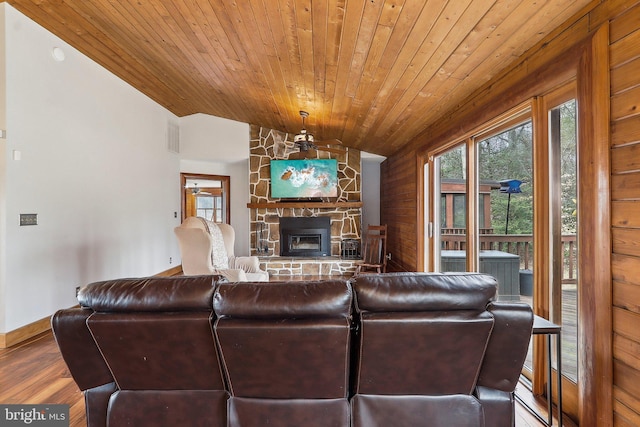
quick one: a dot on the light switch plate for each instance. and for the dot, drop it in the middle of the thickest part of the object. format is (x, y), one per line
(28, 219)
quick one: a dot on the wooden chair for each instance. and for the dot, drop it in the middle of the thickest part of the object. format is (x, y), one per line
(374, 250)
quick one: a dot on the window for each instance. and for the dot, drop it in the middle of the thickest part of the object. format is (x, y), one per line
(459, 211)
(209, 205)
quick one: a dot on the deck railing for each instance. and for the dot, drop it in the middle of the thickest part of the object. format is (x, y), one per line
(517, 244)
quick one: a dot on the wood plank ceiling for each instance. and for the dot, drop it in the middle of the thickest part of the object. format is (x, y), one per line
(372, 73)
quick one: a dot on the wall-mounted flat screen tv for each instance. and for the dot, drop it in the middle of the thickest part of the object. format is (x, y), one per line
(304, 178)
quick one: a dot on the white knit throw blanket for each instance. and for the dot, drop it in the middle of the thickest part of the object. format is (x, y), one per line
(219, 257)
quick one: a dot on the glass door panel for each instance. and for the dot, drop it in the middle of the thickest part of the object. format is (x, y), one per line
(450, 232)
(557, 292)
(565, 276)
(505, 208)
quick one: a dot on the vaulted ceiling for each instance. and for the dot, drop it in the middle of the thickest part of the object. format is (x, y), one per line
(372, 73)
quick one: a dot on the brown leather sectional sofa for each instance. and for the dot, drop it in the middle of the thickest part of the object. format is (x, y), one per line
(398, 349)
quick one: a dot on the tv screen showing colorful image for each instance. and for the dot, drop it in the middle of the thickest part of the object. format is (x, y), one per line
(304, 178)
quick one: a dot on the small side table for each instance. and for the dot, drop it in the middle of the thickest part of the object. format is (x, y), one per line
(542, 326)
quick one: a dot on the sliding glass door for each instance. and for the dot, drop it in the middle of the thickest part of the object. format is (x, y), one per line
(504, 201)
(452, 207)
(558, 296)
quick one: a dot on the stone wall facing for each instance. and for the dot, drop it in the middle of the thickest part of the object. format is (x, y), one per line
(267, 144)
(328, 266)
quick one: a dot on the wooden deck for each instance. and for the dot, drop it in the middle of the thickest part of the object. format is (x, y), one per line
(569, 331)
(33, 372)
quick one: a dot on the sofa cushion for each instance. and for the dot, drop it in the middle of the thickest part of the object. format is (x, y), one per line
(288, 412)
(417, 411)
(285, 358)
(278, 300)
(406, 291)
(150, 294)
(285, 340)
(168, 408)
(159, 351)
(430, 353)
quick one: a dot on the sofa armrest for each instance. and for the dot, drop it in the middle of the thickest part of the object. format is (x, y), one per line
(249, 264)
(508, 345)
(78, 349)
(498, 406)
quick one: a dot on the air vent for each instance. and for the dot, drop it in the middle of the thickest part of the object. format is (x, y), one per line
(173, 137)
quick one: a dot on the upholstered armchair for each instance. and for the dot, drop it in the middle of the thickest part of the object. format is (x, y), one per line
(208, 248)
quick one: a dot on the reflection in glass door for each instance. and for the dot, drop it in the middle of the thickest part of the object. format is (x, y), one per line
(557, 287)
(565, 275)
(450, 229)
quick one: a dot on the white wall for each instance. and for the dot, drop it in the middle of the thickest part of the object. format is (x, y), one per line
(3, 168)
(209, 138)
(95, 168)
(370, 174)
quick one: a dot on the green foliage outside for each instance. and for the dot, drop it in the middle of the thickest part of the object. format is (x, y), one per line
(508, 155)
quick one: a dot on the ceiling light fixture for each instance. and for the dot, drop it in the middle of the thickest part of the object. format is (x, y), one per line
(58, 54)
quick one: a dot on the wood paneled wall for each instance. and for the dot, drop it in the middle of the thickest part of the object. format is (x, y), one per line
(625, 213)
(400, 175)
(399, 206)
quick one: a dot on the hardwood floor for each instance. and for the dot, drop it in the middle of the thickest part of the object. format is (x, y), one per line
(525, 419)
(33, 372)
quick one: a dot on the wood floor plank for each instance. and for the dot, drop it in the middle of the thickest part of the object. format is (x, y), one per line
(33, 372)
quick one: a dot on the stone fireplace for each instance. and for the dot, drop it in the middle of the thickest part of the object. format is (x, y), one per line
(343, 212)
